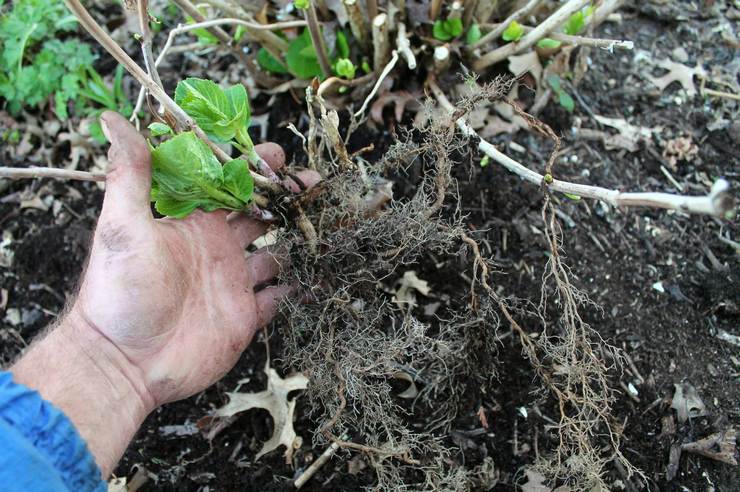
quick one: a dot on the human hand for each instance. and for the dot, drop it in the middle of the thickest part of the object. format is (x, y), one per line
(176, 296)
(165, 307)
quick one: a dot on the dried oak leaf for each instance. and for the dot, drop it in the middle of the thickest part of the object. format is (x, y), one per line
(687, 403)
(408, 285)
(400, 101)
(678, 72)
(275, 400)
(720, 446)
(535, 482)
(679, 149)
(631, 134)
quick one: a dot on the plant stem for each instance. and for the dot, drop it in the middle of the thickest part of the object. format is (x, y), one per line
(716, 203)
(183, 121)
(381, 42)
(496, 33)
(607, 44)
(469, 6)
(485, 10)
(372, 8)
(357, 22)
(543, 29)
(49, 172)
(314, 29)
(434, 9)
(247, 148)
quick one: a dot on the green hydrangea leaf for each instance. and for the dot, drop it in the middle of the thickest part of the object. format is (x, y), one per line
(341, 45)
(448, 29)
(513, 32)
(186, 175)
(157, 129)
(345, 68)
(474, 34)
(548, 43)
(301, 57)
(566, 101)
(269, 63)
(238, 180)
(220, 113)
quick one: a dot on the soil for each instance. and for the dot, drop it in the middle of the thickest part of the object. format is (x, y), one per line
(666, 286)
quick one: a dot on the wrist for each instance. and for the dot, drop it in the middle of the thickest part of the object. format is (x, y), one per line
(84, 374)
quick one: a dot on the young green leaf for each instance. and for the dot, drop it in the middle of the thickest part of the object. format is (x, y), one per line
(302, 4)
(341, 46)
(238, 180)
(554, 82)
(548, 43)
(448, 29)
(345, 68)
(269, 63)
(186, 175)
(157, 129)
(474, 34)
(571, 196)
(220, 113)
(577, 21)
(513, 32)
(566, 101)
(301, 57)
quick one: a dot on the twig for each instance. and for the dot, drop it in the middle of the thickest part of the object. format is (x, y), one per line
(441, 59)
(381, 77)
(456, 10)
(146, 40)
(434, 9)
(314, 29)
(727, 95)
(275, 26)
(484, 10)
(49, 172)
(357, 22)
(372, 8)
(716, 203)
(403, 45)
(543, 29)
(318, 463)
(608, 44)
(493, 35)
(381, 41)
(181, 118)
(470, 7)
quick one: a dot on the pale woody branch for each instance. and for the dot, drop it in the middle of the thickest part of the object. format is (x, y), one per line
(717, 203)
(49, 172)
(183, 120)
(543, 29)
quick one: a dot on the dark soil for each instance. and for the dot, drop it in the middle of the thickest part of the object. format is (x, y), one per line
(671, 331)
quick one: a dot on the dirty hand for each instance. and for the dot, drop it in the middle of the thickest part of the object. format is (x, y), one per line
(165, 307)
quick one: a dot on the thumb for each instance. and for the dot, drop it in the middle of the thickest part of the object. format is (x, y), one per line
(129, 175)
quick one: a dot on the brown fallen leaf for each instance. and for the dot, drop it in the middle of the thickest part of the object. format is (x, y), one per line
(679, 149)
(275, 400)
(407, 287)
(482, 417)
(720, 446)
(687, 403)
(678, 72)
(400, 101)
(535, 482)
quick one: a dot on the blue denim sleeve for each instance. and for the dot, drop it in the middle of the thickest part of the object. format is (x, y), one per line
(40, 449)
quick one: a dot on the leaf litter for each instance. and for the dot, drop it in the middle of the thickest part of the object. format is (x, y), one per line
(275, 400)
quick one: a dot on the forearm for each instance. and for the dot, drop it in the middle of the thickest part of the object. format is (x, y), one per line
(85, 375)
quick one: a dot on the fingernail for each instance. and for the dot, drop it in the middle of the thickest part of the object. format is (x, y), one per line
(106, 130)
